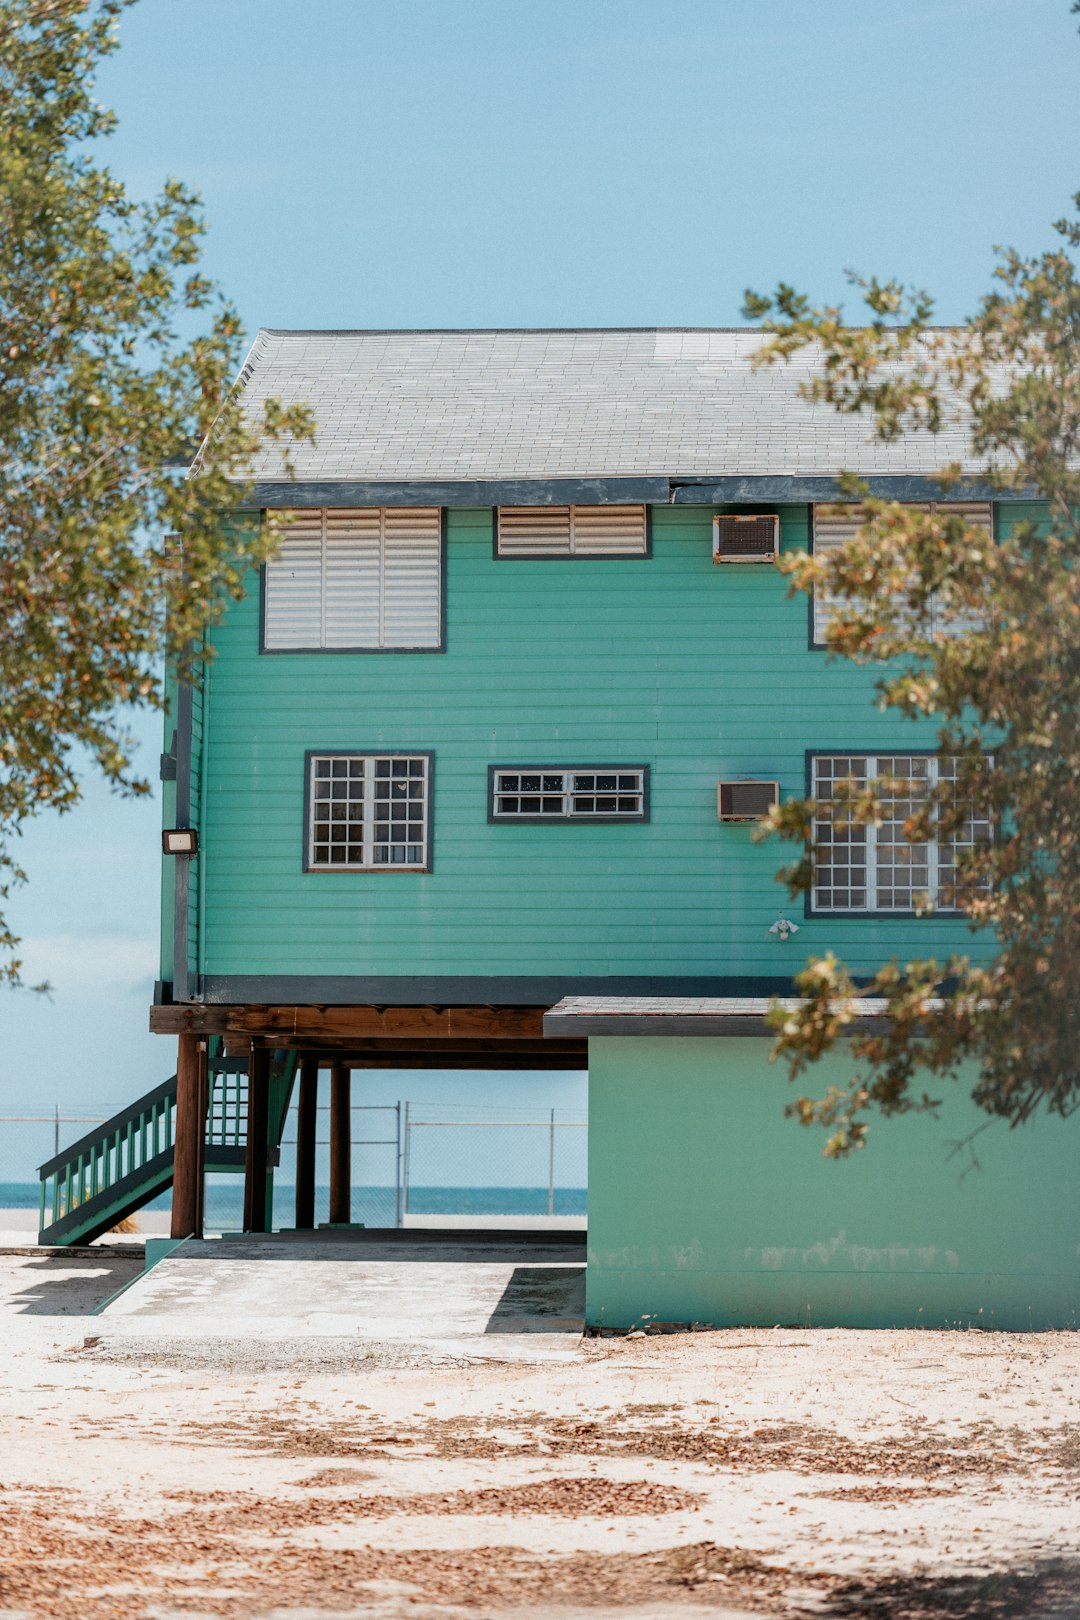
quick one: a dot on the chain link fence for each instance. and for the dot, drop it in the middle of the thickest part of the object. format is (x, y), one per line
(411, 1165)
(457, 1170)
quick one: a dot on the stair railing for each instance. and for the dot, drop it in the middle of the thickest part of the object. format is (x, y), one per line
(120, 1147)
(130, 1155)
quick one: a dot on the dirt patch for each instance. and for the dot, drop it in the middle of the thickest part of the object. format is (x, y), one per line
(324, 1478)
(67, 1565)
(880, 1493)
(557, 1496)
(982, 1450)
(71, 1567)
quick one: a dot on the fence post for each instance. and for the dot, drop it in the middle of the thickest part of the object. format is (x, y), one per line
(405, 1169)
(56, 1132)
(397, 1167)
(551, 1167)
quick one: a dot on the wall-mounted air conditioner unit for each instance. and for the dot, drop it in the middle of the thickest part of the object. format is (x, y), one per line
(748, 538)
(745, 801)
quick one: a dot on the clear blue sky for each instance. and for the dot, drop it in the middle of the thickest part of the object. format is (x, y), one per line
(530, 162)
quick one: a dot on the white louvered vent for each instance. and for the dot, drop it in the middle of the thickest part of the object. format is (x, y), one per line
(572, 531)
(836, 524)
(364, 578)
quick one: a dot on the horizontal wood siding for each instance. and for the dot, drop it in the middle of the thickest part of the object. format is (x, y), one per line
(700, 671)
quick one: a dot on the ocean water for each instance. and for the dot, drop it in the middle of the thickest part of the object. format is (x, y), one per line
(374, 1206)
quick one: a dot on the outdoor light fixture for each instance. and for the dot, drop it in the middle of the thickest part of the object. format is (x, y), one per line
(180, 841)
(783, 928)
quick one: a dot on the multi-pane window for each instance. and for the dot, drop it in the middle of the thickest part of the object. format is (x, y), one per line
(367, 579)
(368, 811)
(874, 868)
(572, 531)
(588, 793)
(835, 524)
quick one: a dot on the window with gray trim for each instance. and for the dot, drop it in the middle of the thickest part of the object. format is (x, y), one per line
(569, 793)
(368, 812)
(875, 869)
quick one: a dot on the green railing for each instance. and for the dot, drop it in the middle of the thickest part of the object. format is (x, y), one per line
(128, 1159)
(109, 1163)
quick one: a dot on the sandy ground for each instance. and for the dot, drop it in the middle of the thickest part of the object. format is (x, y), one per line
(788, 1473)
(19, 1228)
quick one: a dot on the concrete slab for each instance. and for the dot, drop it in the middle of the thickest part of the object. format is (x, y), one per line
(478, 1297)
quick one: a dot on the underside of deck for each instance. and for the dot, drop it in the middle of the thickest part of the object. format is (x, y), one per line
(339, 1038)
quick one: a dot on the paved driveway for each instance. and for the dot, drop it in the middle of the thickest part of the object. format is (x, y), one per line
(484, 1296)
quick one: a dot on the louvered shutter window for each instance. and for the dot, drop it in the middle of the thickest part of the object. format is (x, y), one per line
(368, 578)
(977, 515)
(836, 524)
(572, 531)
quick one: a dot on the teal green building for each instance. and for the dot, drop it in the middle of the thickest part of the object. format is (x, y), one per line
(487, 738)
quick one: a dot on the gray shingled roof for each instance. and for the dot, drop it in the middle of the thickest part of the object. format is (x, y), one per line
(666, 402)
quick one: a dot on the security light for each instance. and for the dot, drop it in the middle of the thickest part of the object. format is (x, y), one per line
(180, 841)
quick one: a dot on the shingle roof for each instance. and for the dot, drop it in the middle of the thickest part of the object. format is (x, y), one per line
(475, 405)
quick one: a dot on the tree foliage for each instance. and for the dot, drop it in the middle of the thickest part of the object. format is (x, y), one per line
(1002, 689)
(116, 358)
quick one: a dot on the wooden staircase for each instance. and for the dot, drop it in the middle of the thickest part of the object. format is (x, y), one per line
(122, 1164)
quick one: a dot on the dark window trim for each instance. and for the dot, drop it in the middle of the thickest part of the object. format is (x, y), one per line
(353, 652)
(950, 913)
(573, 556)
(388, 752)
(823, 646)
(571, 821)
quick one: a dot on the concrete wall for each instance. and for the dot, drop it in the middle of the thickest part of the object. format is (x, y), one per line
(706, 1204)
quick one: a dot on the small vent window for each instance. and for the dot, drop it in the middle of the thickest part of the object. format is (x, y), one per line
(580, 793)
(835, 524)
(572, 531)
(368, 812)
(364, 580)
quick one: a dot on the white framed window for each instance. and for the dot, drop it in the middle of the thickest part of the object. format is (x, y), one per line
(569, 793)
(834, 524)
(875, 869)
(367, 579)
(571, 531)
(368, 812)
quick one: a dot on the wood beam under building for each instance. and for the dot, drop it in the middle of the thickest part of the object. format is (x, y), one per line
(301, 1025)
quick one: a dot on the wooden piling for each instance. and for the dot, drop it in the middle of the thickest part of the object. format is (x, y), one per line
(340, 1145)
(256, 1156)
(306, 1116)
(189, 1138)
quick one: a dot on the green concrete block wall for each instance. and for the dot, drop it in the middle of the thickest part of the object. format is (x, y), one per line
(699, 671)
(705, 1204)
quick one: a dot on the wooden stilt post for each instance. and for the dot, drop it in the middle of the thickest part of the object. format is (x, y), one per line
(306, 1116)
(204, 1113)
(255, 1161)
(188, 1148)
(340, 1145)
